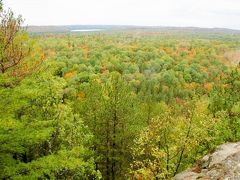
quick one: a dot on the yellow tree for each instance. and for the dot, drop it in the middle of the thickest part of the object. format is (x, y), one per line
(16, 47)
(172, 141)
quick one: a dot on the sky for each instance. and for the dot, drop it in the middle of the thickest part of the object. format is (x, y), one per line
(197, 13)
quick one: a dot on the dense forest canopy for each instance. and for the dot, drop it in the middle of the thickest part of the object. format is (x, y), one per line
(113, 105)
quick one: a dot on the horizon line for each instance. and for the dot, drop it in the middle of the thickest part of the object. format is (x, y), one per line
(132, 25)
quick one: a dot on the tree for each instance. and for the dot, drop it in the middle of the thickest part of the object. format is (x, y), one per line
(225, 99)
(15, 46)
(40, 136)
(172, 141)
(108, 110)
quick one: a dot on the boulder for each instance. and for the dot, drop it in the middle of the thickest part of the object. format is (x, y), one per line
(223, 164)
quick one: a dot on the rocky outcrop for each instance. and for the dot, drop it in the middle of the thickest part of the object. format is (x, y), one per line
(223, 164)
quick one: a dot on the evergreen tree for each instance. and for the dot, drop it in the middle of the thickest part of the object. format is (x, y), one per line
(108, 111)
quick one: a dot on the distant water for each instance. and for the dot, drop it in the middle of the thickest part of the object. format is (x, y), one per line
(86, 30)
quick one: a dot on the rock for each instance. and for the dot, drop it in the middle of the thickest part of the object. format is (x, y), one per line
(223, 164)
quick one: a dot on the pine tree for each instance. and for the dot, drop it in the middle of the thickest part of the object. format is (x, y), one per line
(108, 111)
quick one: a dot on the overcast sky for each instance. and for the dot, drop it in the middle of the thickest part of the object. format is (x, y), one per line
(200, 13)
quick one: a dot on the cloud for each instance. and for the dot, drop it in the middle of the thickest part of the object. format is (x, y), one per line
(204, 13)
(226, 12)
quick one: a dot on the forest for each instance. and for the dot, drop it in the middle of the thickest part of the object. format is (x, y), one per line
(114, 105)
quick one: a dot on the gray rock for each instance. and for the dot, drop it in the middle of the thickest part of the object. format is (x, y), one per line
(223, 164)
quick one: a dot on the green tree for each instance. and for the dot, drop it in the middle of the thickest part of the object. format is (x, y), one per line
(108, 110)
(40, 136)
(225, 99)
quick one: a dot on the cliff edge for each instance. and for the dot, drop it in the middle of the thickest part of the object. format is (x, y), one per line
(224, 163)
